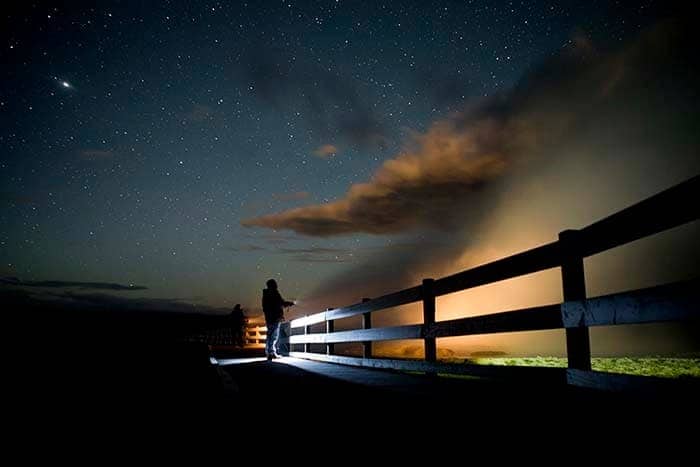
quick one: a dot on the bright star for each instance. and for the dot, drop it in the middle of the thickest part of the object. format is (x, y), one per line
(66, 84)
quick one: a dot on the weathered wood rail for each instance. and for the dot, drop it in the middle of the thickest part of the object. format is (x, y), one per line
(673, 302)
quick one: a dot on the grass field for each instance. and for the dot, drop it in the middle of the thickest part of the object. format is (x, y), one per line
(645, 366)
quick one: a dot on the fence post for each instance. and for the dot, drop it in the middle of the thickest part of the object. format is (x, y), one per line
(330, 348)
(366, 324)
(428, 319)
(307, 331)
(578, 344)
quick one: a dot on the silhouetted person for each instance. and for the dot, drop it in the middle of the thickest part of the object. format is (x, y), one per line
(237, 325)
(273, 306)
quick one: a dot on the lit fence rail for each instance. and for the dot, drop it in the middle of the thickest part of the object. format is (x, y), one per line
(255, 335)
(217, 332)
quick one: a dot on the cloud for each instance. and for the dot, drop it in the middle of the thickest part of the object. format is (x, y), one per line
(452, 88)
(308, 258)
(328, 99)
(326, 151)
(244, 248)
(67, 300)
(135, 304)
(439, 181)
(318, 254)
(304, 255)
(416, 189)
(313, 250)
(276, 238)
(66, 284)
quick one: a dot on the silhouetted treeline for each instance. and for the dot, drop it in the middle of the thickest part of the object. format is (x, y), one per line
(107, 364)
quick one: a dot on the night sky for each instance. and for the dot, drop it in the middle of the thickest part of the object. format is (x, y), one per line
(158, 150)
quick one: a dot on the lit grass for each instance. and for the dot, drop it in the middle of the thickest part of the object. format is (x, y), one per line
(643, 366)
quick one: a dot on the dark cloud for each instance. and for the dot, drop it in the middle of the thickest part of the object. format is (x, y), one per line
(67, 284)
(243, 248)
(271, 238)
(349, 255)
(308, 258)
(328, 99)
(319, 254)
(361, 127)
(305, 255)
(386, 269)
(452, 88)
(67, 300)
(135, 304)
(313, 250)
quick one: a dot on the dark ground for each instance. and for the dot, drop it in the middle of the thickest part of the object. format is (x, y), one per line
(75, 376)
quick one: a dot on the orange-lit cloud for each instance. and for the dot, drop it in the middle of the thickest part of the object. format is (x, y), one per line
(325, 151)
(417, 188)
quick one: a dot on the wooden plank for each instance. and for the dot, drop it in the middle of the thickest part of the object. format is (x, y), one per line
(540, 374)
(414, 331)
(672, 302)
(528, 319)
(537, 259)
(309, 320)
(330, 328)
(670, 208)
(630, 383)
(399, 298)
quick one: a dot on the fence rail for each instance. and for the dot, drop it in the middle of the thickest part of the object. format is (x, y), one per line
(672, 302)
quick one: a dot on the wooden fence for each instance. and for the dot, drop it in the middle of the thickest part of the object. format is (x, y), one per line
(673, 302)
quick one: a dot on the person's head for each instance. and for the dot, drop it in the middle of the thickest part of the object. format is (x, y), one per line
(237, 307)
(271, 284)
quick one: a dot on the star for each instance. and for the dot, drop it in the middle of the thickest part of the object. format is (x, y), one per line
(66, 84)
